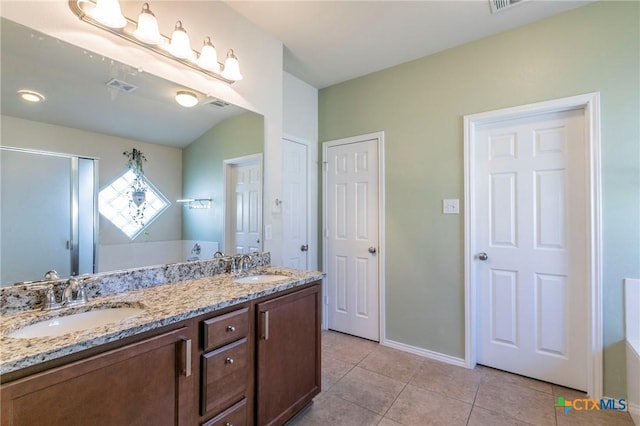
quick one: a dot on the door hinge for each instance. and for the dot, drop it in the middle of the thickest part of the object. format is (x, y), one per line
(325, 166)
(326, 300)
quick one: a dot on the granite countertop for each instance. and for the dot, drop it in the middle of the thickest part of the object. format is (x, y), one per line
(163, 305)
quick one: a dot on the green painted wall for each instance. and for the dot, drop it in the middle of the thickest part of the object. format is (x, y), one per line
(202, 176)
(420, 106)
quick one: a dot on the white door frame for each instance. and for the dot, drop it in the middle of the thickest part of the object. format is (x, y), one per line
(227, 165)
(312, 203)
(379, 136)
(590, 104)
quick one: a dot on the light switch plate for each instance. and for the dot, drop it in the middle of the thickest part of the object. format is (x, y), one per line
(451, 206)
(268, 234)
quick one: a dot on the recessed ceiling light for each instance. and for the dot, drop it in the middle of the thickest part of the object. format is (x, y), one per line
(186, 99)
(31, 96)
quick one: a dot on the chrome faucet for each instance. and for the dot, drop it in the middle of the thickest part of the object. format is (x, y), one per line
(68, 299)
(245, 262)
(218, 254)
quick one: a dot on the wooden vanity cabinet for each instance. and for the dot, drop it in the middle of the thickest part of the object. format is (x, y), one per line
(227, 369)
(288, 354)
(143, 383)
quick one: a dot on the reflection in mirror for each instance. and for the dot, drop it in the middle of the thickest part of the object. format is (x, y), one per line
(186, 150)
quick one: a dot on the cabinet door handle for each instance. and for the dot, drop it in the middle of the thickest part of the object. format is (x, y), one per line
(186, 343)
(231, 328)
(265, 325)
(228, 360)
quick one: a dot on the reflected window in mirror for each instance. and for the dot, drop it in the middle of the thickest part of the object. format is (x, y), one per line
(128, 211)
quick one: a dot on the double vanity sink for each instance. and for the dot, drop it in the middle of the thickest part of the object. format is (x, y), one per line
(68, 321)
(36, 336)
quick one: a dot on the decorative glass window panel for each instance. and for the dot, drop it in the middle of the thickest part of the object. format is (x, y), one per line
(115, 204)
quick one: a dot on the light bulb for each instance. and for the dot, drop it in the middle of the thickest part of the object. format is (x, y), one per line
(180, 46)
(231, 67)
(147, 30)
(108, 13)
(208, 59)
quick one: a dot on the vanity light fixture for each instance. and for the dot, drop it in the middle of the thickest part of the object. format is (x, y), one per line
(180, 46)
(186, 99)
(107, 15)
(30, 95)
(147, 30)
(208, 58)
(231, 67)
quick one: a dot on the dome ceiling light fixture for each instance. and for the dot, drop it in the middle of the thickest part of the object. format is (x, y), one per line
(30, 95)
(186, 98)
(107, 15)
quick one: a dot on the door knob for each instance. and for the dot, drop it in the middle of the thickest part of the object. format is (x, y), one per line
(372, 250)
(483, 256)
(304, 247)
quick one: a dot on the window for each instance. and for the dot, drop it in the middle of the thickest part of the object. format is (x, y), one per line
(116, 205)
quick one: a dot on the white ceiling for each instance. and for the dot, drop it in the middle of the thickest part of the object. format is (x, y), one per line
(328, 42)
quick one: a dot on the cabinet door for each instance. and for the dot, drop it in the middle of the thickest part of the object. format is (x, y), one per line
(144, 383)
(288, 363)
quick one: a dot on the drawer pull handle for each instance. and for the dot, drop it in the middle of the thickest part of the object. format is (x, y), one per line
(228, 361)
(228, 424)
(231, 329)
(265, 325)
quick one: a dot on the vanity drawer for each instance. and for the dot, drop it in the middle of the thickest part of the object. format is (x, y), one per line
(224, 376)
(226, 328)
(234, 416)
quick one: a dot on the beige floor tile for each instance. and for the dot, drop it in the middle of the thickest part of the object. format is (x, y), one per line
(332, 410)
(482, 417)
(333, 370)
(346, 348)
(368, 389)
(419, 407)
(392, 363)
(388, 422)
(520, 402)
(567, 393)
(497, 377)
(449, 380)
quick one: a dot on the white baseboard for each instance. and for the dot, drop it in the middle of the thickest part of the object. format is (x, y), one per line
(436, 356)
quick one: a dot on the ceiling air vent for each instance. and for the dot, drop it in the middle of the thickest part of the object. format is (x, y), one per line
(218, 102)
(120, 85)
(500, 5)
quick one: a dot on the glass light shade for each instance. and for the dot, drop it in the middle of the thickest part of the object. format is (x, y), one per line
(108, 13)
(180, 47)
(208, 59)
(231, 67)
(186, 99)
(147, 30)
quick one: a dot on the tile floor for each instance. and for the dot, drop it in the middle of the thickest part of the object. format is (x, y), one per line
(364, 383)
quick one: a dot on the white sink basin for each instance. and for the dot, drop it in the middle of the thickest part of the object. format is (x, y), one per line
(59, 326)
(260, 279)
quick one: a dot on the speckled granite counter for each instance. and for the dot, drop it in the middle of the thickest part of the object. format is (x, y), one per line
(163, 305)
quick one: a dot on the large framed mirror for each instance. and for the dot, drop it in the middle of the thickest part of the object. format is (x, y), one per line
(97, 109)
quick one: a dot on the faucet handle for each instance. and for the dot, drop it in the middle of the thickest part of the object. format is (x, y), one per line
(49, 298)
(82, 293)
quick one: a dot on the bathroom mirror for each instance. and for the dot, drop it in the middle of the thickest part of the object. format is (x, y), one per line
(190, 152)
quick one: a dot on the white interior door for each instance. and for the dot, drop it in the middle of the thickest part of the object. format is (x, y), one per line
(295, 187)
(351, 236)
(244, 207)
(531, 251)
